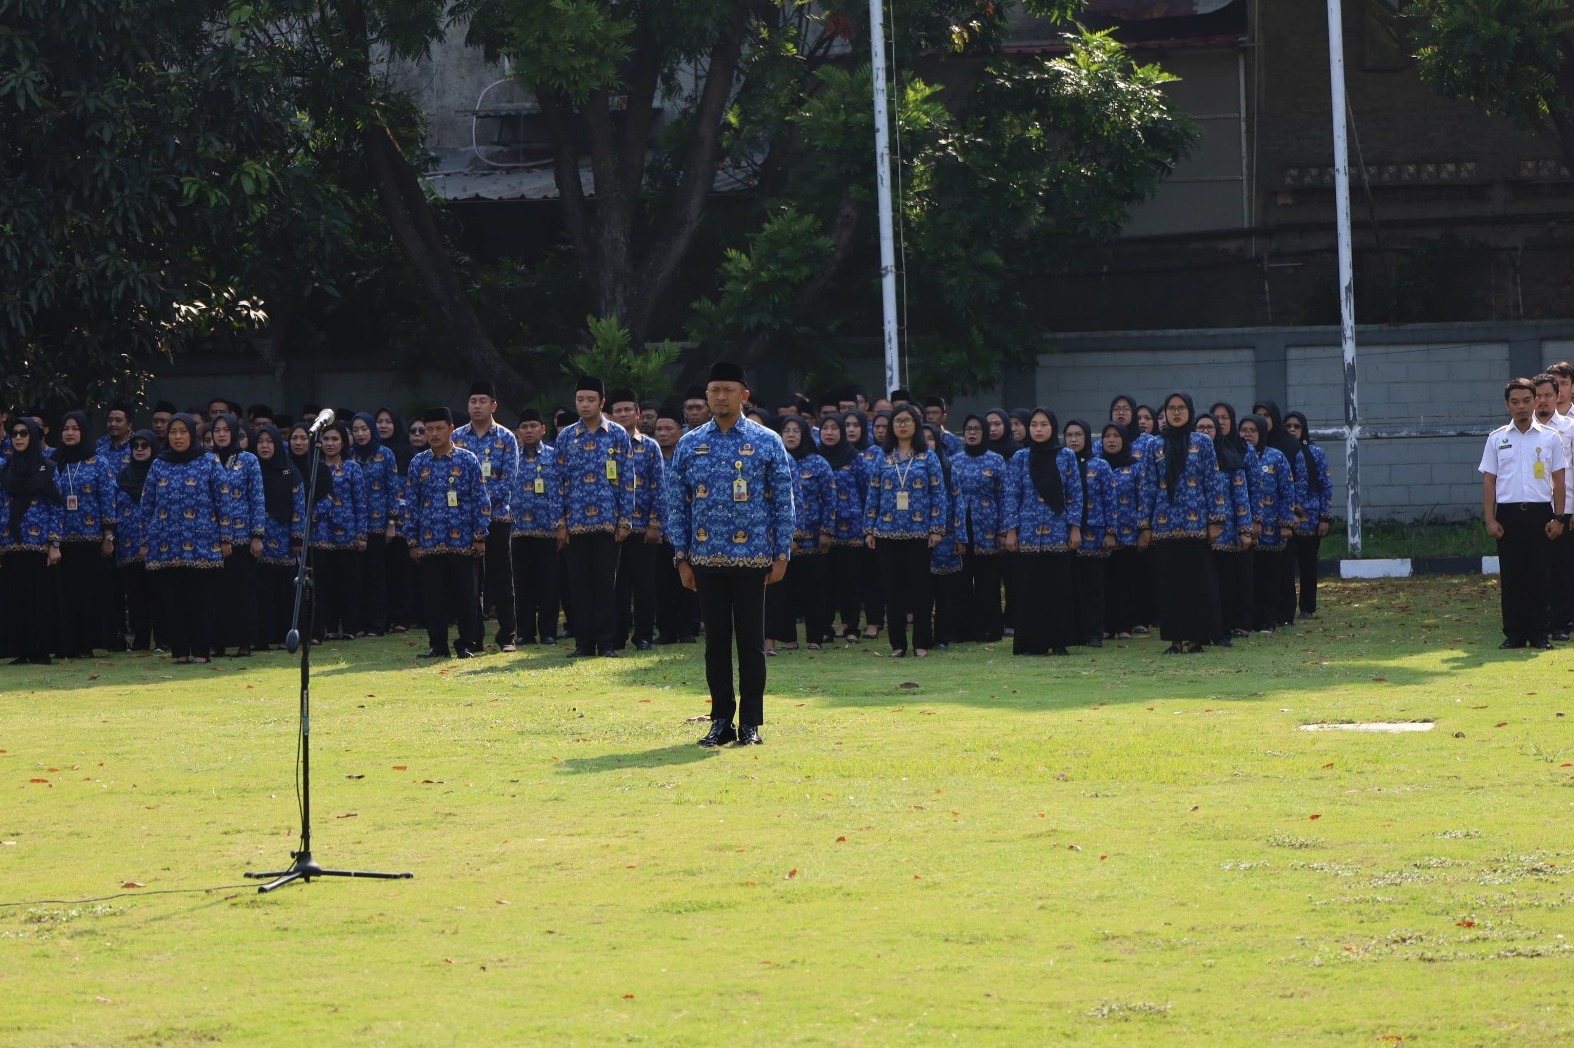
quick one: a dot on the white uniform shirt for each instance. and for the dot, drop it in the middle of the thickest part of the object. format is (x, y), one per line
(1523, 463)
(1565, 427)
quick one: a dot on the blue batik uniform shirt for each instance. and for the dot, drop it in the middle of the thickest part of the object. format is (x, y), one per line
(538, 493)
(91, 488)
(707, 521)
(498, 454)
(643, 483)
(592, 464)
(431, 522)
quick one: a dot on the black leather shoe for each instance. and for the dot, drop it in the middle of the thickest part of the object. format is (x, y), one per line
(433, 653)
(643, 645)
(687, 638)
(1095, 642)
(548, 640)
(610, 653)
(721, 733)
(749, 735)
(1511, 644)
(1560, 635)
(463, 653)
(1541, 645)
(577, 654)
(1059, 651)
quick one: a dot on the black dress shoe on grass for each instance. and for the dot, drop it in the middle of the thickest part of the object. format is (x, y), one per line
(1510, 645)
(749, 735)
(433, 653)
(721, 733)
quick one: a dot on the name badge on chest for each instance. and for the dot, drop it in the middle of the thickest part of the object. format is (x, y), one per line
(740, 487)
(1539, 470)
(612, 469)
(71, 502)
(902, 500)
(541, 486)
(486, 469)
(453, 499)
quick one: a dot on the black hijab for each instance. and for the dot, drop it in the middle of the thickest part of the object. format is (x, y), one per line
(366, 452)
(1262, 431)
(1131, 427)
(192, 453)
(840, 453)
(1041, 464)
(805, 446)
(864, 439)
(1314, 480)
(301, 462)
(1277, 437)
(279, 477)
(1006, 446)
(975, 450)
(1024, 416)
(29, 477)
(1177, 443)
(1082, 460)
(231, 451)
(1231, 449)
(399, 443)
(1122, 458)
(134, 476)
(933, 432)
(82, 450)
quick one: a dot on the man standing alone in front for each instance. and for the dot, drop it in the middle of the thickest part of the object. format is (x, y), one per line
(730, 521)
(1522, 495)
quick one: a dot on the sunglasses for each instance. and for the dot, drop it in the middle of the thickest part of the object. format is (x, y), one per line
(20, 433)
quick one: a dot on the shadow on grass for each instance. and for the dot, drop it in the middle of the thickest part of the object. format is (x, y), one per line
(664, 757)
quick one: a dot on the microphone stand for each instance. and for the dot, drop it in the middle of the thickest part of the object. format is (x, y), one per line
(304, 867)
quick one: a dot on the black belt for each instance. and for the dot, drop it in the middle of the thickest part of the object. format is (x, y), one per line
(1524, 507)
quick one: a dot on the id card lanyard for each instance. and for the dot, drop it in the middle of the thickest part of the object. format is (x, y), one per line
(902, 500)
(71, 487)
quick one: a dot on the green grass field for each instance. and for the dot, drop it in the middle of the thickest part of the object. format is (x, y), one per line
(1115, 848)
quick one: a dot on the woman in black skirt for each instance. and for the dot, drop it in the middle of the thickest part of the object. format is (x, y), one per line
(1182, 520)
(1043, 528)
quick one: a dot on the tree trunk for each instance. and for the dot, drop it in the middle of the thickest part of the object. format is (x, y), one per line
(415, 230)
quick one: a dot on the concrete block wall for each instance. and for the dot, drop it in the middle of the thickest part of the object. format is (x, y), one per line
(1081, 385)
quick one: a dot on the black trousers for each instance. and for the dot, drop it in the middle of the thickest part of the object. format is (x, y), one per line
(338, 585)
(872, 587)
(904, 575)
(843, 569)
(1122, 581)
(1523, 580)
(732, 606)
(83, 575)
(448, 593)
(238, 590)
(498, 571)
(31, 595)
(275, 604)
(1270, 567)
(1089, 574)
(1046, 610)
(404, 583)
(800, 594)
(637, 590)
(677, 609)
(982, 618)
(564, 597)
(374, 583)
(1304, 548)
(593, 580)
(136, 585)
(947, 592)
(535, 588)
(188, 597)
(1560, 600)
(1236, 597)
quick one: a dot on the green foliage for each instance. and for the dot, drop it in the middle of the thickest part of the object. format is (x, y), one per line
(1505, 56)
(758, 287)
(611, 357)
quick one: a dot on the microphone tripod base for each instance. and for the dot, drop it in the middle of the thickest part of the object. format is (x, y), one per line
(304, 868)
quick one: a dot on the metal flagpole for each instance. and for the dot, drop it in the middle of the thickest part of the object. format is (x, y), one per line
(1352, 447)
(882, 161)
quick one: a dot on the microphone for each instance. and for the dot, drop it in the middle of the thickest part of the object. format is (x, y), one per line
(325, 418)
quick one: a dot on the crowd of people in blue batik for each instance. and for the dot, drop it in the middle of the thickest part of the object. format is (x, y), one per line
(184, 537)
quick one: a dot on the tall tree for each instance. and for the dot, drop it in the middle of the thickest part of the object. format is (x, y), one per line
(1513, 58)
